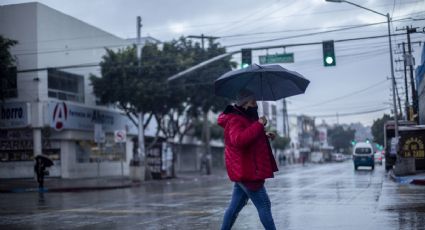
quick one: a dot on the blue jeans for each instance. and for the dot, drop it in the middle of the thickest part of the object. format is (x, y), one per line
(240, 198)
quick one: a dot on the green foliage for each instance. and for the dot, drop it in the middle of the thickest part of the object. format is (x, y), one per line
(217, 132)
(281, 142)
(378, 128)
(341, 138)
(174, 105)
(201, 82)
(6, 62)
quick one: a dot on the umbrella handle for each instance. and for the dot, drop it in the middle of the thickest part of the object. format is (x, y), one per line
(262, 96)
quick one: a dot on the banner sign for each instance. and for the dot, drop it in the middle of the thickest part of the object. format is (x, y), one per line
(14, 115)
(62, 115)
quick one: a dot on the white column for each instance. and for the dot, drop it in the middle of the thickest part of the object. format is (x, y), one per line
(37, 149)
(37, 124)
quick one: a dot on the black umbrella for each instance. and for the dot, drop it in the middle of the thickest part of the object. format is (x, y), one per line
(45, 160)
(267, 82)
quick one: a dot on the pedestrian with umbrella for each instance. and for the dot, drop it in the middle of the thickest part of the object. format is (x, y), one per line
(41, 163)
(248, 155)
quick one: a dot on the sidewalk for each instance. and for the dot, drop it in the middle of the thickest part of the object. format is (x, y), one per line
(65, 185)
(87, 184)
(417, 179)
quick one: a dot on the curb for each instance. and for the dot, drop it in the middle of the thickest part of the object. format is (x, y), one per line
(70, 189)
(406, 180)
(418, 182)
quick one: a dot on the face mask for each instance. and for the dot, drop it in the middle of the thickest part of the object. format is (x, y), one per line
(252, 112)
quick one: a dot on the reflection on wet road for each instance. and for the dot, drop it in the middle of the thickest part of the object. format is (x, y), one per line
(327, 196)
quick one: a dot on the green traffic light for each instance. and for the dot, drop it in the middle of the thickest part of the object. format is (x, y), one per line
(328, 53)
(329, 60)
(246, 58)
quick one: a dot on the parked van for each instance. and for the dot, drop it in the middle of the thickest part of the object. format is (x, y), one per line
(363, 155)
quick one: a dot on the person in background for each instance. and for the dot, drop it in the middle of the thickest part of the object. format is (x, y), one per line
(248, 157)
(39, 169)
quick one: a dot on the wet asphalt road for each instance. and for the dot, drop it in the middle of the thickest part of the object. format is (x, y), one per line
(328, 196)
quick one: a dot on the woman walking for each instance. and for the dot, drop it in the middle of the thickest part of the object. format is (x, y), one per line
(249, 159)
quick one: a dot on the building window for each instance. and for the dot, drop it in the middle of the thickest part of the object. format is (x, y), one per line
(90, 152)
(17, 145)
(65, 86)
(9, 86)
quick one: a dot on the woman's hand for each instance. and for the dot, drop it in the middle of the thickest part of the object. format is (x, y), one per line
(263, 120)
(270, 135)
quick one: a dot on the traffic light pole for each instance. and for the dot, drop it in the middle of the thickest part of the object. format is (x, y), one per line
(391, 58)
(412, 81)
(392, 75)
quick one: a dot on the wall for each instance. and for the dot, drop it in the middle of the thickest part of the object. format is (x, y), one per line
(421, 97)
(23, 17)
(64, 41)
(189, 159)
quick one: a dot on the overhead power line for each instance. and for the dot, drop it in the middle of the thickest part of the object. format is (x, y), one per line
(343, 96)
(351, 114)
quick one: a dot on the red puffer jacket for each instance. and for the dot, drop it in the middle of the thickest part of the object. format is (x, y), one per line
(248, 154)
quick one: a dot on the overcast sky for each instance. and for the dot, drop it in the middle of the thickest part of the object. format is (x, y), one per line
(358, 83)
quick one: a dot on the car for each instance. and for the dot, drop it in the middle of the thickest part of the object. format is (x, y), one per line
(378, 158)
(363, 155)
(338, 157)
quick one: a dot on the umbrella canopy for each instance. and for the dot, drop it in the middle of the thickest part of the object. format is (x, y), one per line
(267, 82)
(45, 159)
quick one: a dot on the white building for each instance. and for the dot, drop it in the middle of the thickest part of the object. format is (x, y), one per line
(53, 110)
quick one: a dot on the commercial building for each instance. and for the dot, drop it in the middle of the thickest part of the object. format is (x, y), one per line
(50, 107)
(420, 83)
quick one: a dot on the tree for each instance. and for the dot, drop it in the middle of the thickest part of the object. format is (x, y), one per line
(6, 62)
(281, 142)
(201, 86)
(378, 128)
(217, 132)
(174, 106)
(341, 138)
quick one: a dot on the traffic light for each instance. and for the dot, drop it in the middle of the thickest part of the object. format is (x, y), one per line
(328, 53)
(353, 142)
(246, 58)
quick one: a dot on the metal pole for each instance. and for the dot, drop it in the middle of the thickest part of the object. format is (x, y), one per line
(393, 79)
(98, 159)
(122, 158)
(405, 84)
(391, 59)
(141, 134)
(412, 81)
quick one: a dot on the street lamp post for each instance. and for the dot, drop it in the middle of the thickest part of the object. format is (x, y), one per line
(391, 59)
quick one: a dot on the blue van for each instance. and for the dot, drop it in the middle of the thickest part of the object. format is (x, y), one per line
(363, 155)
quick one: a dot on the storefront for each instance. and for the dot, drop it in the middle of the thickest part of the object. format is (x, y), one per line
(79, 139)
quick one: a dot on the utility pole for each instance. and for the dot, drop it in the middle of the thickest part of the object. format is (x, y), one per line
(141, 134)
(202, 37)
(285, 119)
(206, 159)
(337, 118)
(405, 84)
(399, 101)
(411, 63)
(406, 88)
